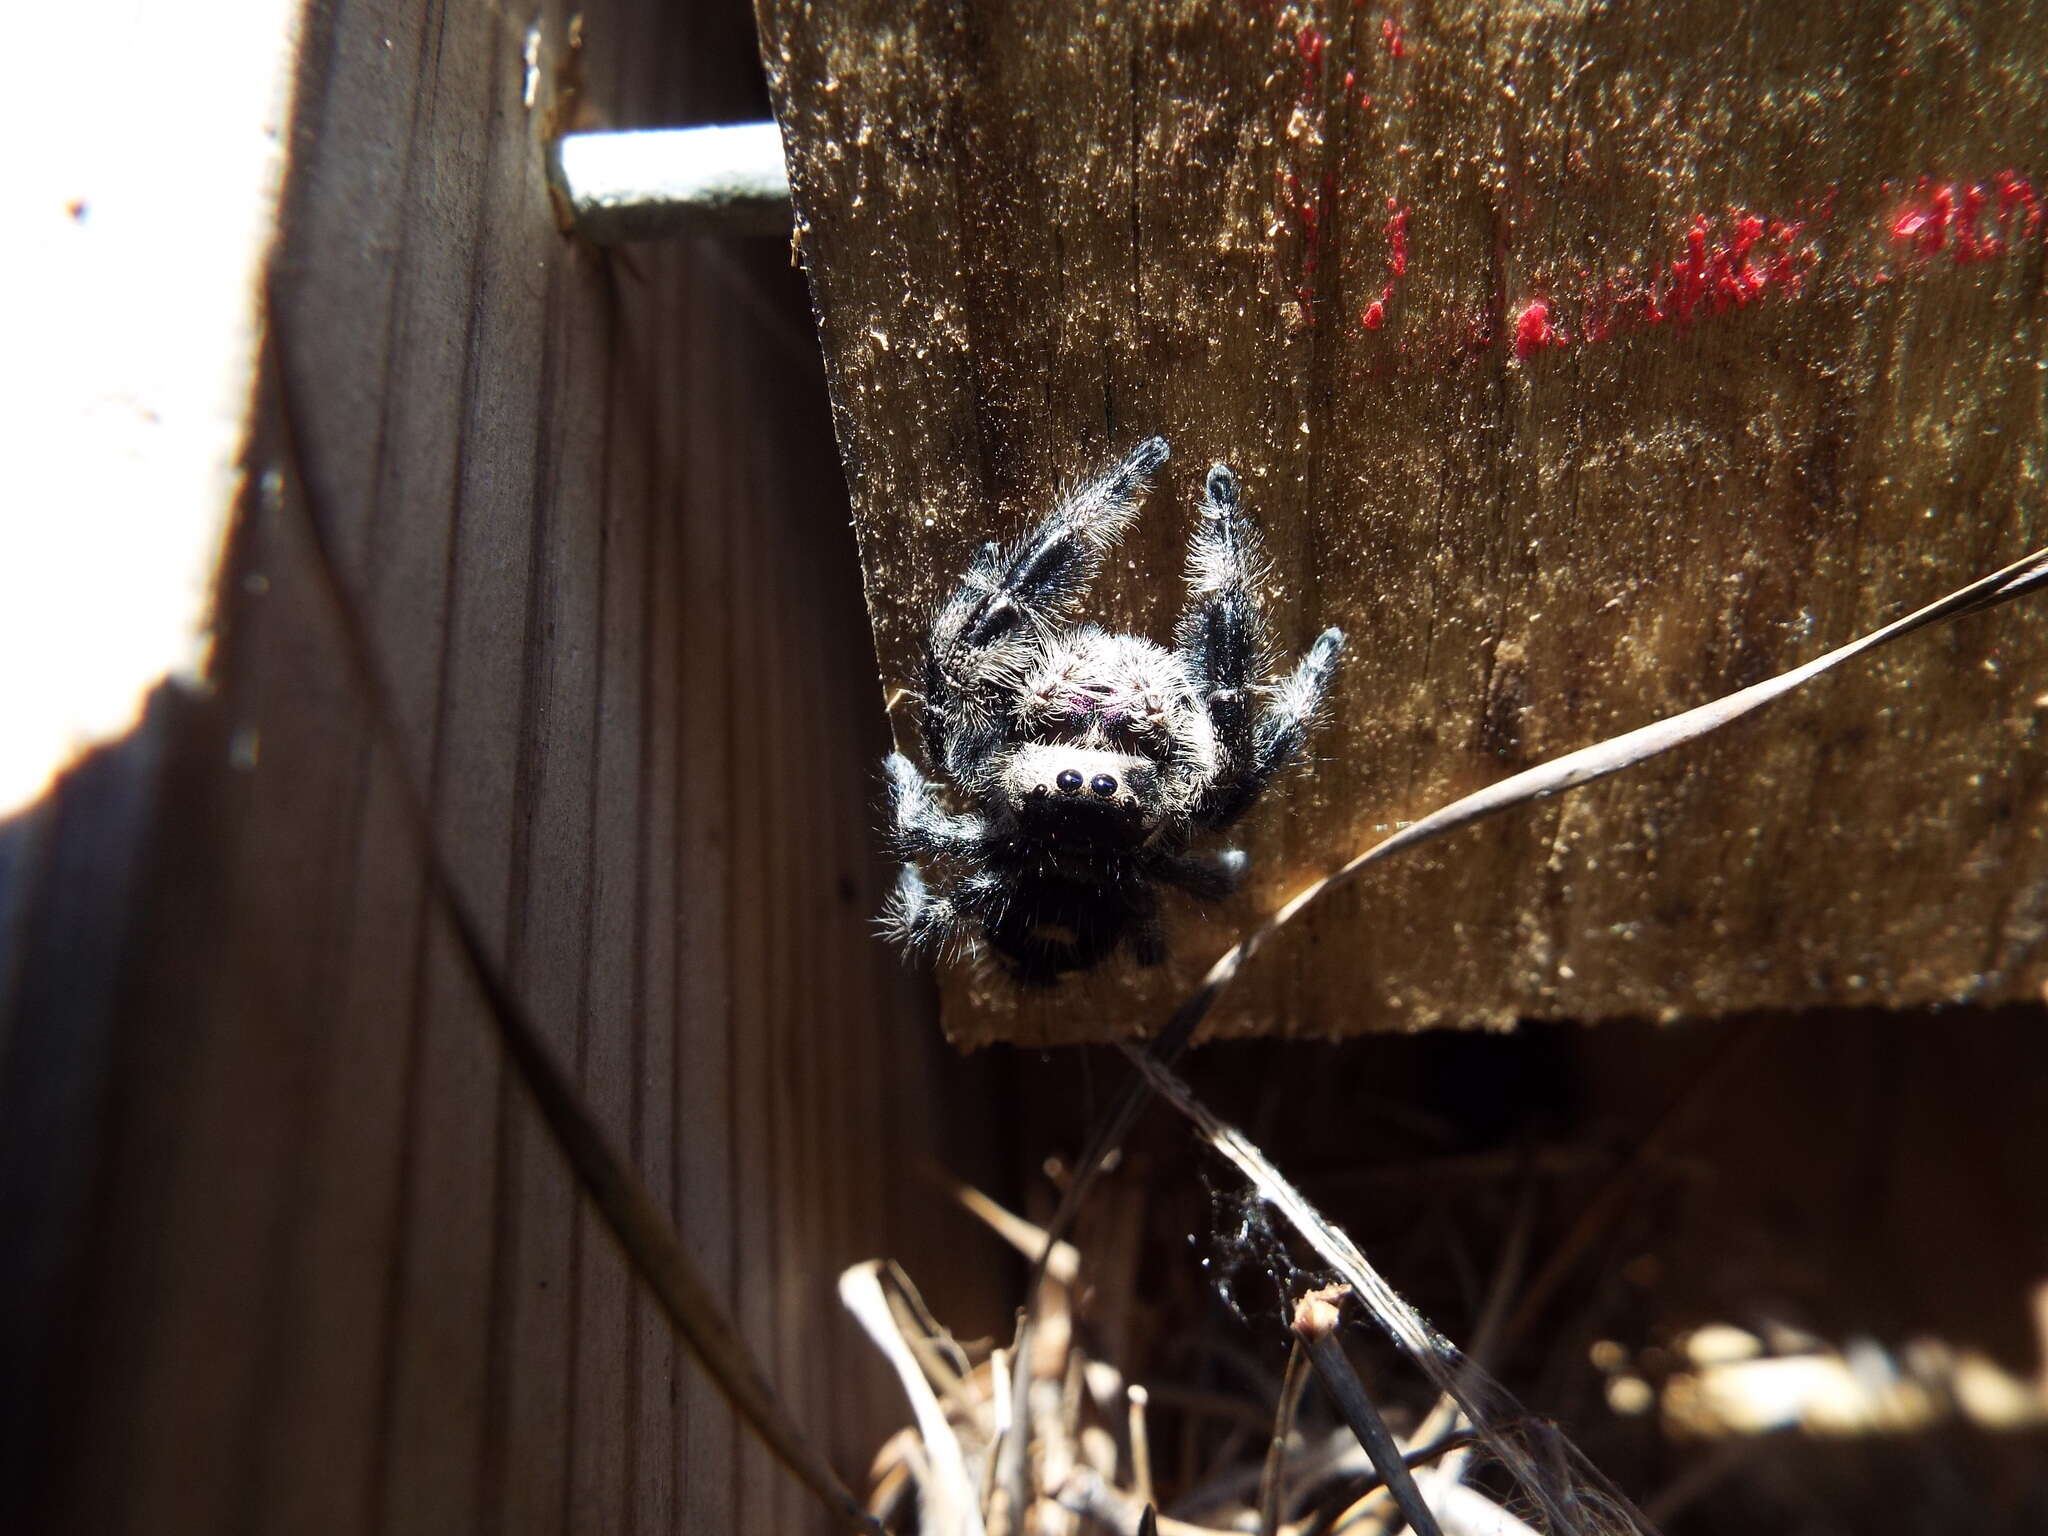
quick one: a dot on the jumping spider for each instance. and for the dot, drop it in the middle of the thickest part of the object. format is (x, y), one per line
(1093, 760)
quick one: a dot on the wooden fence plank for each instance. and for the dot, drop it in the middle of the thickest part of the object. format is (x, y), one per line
(299, 1255)
(1583, 364)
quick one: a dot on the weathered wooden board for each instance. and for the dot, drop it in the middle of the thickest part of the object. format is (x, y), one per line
(284, 1247)
(1583, 362)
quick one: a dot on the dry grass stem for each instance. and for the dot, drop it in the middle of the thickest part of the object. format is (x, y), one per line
(1482, 1402)
(950, 1504)
(1273, 1477)
(1141, 1446)
(1061, 1262)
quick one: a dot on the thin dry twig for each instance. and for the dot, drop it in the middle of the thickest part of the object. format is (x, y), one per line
(1339, 1508)
(1315, 1325)
(1085, 1493)
(1003, 1426)
(1439, 1432)
(1272, 1481)
(1062, 1260)
(1141, 1444)
(899, 1469)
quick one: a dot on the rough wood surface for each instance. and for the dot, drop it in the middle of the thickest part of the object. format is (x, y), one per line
(1584, 363)
(285, 1246)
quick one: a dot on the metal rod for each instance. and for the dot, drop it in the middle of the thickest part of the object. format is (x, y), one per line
(661, 183)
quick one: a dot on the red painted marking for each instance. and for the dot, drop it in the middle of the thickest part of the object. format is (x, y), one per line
(1971, 246)
(1375, 313)
(1927, 228)
(1951, 217)
(1787, 269)
(1723, 263)
(1310, 43)
(1533, 330)
(1716, 276)
(2016, 196)
(1726, 265)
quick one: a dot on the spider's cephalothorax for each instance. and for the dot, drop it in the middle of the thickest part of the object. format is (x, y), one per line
(1093, 760)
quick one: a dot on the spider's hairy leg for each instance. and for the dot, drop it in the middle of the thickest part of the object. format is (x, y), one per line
(919, 919)
(1282, 727)
(925, 921)
(1013, 597)
(1223, 638)
(1222, 635)
(1037, 581)
(921, 827)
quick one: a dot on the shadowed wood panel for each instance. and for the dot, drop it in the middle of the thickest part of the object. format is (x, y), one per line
(300, 1256)
(1584, 363)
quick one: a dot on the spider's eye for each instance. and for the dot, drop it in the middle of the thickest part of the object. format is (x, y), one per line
(1069, 781)
(1102, 784)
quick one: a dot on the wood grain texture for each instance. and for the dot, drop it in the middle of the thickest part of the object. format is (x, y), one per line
(287, 1248)
(1583, 362)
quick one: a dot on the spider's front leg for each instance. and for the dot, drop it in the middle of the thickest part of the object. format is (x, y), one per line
(1223, 637)
(1223, 632)
(1009, 600)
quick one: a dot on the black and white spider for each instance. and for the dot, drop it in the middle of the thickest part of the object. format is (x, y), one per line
(1093, 760)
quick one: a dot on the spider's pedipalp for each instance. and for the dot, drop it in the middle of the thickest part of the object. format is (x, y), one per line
(927, 921)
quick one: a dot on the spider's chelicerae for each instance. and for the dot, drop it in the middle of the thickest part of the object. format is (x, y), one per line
(1093, 760)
